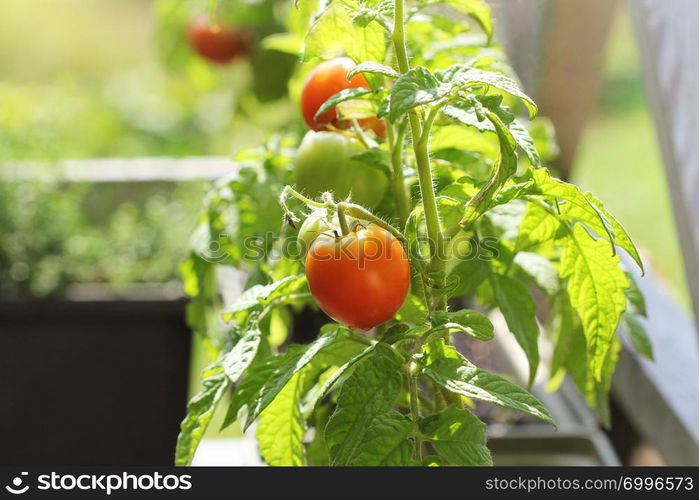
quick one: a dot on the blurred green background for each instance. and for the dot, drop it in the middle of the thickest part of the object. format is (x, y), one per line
(87, 78)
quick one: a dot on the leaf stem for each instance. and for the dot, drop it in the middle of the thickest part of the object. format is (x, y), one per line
(395, 141)
(415, 412)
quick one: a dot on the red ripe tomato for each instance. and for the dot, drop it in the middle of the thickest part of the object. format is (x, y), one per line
(360, 279)
(326, 80)
(218, 43)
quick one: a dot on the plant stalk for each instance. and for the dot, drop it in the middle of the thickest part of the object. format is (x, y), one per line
(422, 159)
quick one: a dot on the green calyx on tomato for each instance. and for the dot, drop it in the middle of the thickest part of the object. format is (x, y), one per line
(360, 279)
(326, 80)
(324, 163)
(318, 223)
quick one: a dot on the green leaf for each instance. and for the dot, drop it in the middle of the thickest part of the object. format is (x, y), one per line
(540, 270)
(621, 237)
(461, 377)
(281, 427)
(412, 310)
(525, 142)
(470, 273)
(247, 391)
(596, 287)
(476, 9)
(321, 391)
(570, 355)
(239, 358)
(342, 96)
(577, 206)
(518, 308)
(199, 412)
(376, 158)
(466, 76)
(293, 361)
(635, 296)
(385, 443)
(369, 392)
(471, 323)
(334, 34)
(373, 67)
(505, 167)
(538, 226)
(414, 88)
(638, 335)
(457, 436)
(258, 296)
(289, 43)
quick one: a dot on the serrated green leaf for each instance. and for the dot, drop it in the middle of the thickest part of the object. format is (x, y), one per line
(342, 96)
(199, 412)
(638, 335)
(466, 76)
(457, 436)
(246, 392)
(635, 296)
(540, 270)
(470, 273)
(621, 237)
(414, 88)
(281, 427)
(322, 390)
(258, 296)
(525, 142)
(476, 9)
(537, 226)
(373, 67)
(385, 443)
(471, 323)
(570, 355)
(239, 358)
(596, 287)
(577, 206)
(517, 306)
(505, 167)
(369, 392)
(334, 34)
(293, 362)
(461, 377)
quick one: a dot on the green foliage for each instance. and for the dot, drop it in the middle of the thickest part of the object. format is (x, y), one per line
(510, 238)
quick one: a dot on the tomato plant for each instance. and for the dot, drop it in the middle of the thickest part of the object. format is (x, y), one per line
(472, 212)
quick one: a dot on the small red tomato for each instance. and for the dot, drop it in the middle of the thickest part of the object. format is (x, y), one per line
(360, 279)
(326, 80)
(218, 43)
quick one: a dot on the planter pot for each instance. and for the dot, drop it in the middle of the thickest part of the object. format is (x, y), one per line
(92, 382)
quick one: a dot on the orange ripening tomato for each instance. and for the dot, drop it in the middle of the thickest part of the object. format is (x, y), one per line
(218, 43)
(326, 80)
(360, 279)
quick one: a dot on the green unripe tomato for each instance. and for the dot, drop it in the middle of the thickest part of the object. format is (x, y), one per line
(316, 224)
(323, 163)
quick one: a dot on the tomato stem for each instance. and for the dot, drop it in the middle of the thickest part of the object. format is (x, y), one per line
(344, 227)
(422, 159)
(395, 142)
